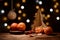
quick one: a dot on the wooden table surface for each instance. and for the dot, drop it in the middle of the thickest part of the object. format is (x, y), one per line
(8, 36)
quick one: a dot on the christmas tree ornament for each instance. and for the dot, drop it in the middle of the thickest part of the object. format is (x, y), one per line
(12, 15)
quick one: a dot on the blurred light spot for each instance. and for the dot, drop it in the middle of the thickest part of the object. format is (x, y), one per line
(5, 4)
(48, 16)
(22, 7)
(47, 23)
(19, 11)
(40, 2)
(5, 18)
(23, 1)
(51, 10)
(55, 6)
(37, 7)
(57, 10)
(2, 11)
(28, 20)
(5, 24)
(24, 15)
(42, 9)
(57, 18)
(18, 5)
(57, 3)
(8, 27)
(19, 18)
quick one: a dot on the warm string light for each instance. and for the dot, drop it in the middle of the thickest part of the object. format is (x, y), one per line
(8, 27)
(56, 5)
(19, 18)
(47, 23)
(23, 1)
(18, 5)
(42, 9)
(57, 10)
(5, 3)
(19, 11)
(5, 18)
(48, 16)
(37, 7)
(24, 15)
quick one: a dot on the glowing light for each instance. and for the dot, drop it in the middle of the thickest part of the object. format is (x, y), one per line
(22, 7)
(57, 18)
(19, 11)
(5, 18)
(37, 7)
(48, 16)
(55, 6)
(42, 9)
(40, 2)
(18, 5)
(28, 20)
(5, 24)
(24, 15)
(5, 4)
(47, 23)
(51, 10)
(8, 27)
(57, 3)
(2, 11)
(19, 18)
(23, 1)
(57, 11)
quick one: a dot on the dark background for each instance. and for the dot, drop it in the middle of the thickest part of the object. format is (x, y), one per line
(30, 10)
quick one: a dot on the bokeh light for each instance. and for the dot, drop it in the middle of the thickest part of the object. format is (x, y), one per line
(24, 15)
(57, 18)
(5, 24)
(19, 18)
(51, 10)
(8, 27)
(47, 23)
(40, 2)
(2, 11)
(22, 7)
(57, 10)
(42, 9)
(55, 6)
(19, 11)
(5, 3)
(5, 18)
(48, 16)
(37, 7)
(23, 1)
(57, 3)
(18, 5)
(28, 20)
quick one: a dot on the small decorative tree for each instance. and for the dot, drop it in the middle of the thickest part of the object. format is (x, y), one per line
(38, 21)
